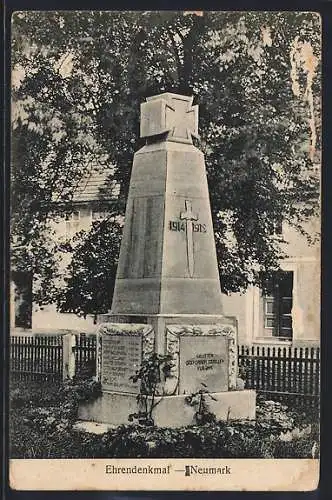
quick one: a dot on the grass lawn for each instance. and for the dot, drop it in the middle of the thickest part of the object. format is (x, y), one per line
(42, 417)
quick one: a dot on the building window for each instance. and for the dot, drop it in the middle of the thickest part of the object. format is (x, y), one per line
(22, 285)
(277, 305)
(73, 223)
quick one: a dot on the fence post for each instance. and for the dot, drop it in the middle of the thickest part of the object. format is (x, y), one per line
(68, 356)
(98, 355)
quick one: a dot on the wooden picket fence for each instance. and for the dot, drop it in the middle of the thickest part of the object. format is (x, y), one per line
(36, 358)
(85, 354)
(288, 374)
(45, 358)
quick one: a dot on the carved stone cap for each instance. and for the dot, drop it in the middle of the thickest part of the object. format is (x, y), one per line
(170, 114)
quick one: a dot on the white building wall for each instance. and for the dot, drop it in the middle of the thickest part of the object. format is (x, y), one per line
(304, 262)
(47, 317)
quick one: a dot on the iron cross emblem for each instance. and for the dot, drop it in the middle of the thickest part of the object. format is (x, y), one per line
(182, 119)
(170, 114)
(189, 216)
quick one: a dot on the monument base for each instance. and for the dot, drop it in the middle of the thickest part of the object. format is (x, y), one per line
(159, 322)
(170, 411)
(162, 320)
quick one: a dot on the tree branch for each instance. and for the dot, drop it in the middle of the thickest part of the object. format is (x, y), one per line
(175, 50)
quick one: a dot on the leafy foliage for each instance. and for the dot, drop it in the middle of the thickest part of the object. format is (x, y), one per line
(42, 419)
(199, 400)
(151, 372)
(79, 79)
(91, 274)
(42, 416)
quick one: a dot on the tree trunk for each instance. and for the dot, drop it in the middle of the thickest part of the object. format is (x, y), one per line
(189, 42)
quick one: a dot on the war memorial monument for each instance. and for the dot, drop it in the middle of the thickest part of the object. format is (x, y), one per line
(167, 297)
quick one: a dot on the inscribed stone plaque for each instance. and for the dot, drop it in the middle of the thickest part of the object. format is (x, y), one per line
(121, 358)
(203, 360)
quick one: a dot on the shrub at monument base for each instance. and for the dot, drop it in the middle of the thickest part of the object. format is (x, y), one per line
(42, 419)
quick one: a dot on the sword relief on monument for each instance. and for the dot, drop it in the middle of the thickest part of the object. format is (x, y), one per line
(188, 224)
(189, 217)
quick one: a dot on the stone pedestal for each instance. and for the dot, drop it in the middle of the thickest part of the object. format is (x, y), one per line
(159, 323)
(203, 355)
(170, 411)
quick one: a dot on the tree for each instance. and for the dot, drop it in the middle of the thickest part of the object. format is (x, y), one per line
(254, 76)
(91, 277)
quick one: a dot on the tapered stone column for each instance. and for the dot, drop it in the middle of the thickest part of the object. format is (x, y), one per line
(168, 262)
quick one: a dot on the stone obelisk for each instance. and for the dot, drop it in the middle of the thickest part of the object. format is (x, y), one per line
(168, 264)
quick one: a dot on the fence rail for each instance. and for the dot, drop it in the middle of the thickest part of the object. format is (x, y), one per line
(286, 373)
(36, 358)
(283, 373)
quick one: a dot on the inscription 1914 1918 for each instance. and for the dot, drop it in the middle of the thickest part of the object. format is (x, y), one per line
(188, 221)
(175, 225)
